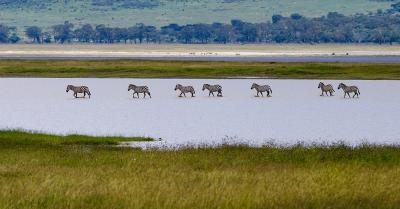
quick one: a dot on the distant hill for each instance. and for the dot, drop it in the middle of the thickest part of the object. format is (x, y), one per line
(44, 13)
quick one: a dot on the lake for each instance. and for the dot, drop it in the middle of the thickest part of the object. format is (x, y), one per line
(295, 113)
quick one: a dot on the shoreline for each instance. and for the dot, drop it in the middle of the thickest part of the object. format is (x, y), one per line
(195, 50)
(197, 54)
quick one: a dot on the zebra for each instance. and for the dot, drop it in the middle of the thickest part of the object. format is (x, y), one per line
(348, 89)
(212, 89)
(185, 89)
(261, 89)
(325, 89)
(79, 89)
(139, 89)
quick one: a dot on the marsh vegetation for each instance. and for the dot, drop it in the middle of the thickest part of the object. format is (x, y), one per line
(196, 69)
(42, 171)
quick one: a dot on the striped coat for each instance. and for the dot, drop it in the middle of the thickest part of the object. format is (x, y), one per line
(79, 89)
(213, 88)
(261, 89)
(326, 88)
(139, 90)
(184, 90)
(349, 89)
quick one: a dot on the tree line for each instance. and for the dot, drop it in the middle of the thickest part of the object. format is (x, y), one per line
(379, 27)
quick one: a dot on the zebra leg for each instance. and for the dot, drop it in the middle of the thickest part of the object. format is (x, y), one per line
(184, 94)
(326, 93)
(257, 94)
(144, 94)
(149, 94)
(261, 94)
(192, 94)
(322, 93)
(75, 95)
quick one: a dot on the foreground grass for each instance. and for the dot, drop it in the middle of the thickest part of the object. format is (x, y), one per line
(75, 175)
(195, 69)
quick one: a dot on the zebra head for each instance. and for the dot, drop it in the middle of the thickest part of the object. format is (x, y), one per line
(254, 86)
(320, 85)
(341, 85)
(131, 87)
(69, 87)
(178, 86)
(205, 86)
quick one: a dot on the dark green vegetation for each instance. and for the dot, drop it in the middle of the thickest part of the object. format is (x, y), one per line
(123, 13)
(380, 26)
(196, 69)
(75, 175)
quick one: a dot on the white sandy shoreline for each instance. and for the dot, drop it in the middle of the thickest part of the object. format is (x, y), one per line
(127, 54)
(143, 51)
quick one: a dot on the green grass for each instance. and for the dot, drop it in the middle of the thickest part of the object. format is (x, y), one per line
(59, 175)
(196, 69)
(16, 137)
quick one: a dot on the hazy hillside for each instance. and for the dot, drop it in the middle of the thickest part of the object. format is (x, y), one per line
(22, 13)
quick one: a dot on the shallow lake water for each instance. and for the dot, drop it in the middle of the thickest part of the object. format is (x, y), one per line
(295, 112)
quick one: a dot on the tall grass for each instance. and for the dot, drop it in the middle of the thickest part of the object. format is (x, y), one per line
(90, 176)
(195, 69)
